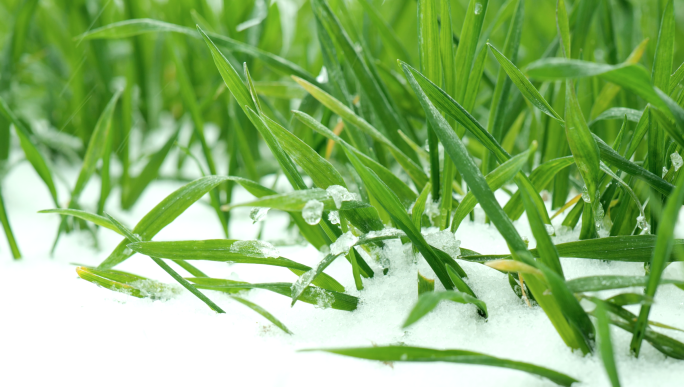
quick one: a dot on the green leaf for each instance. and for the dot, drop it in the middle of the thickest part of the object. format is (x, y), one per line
(429, 301)
(609, 156)
(162, 214)
(606, 345)
(137, 185)
(416, 354)
(582, 144)
(524, 85)
(630, 77)
(563, 25)
(495, 180)
(390, 202)
(477, 183)
(135, 27)
(425, 284)
(540, 178)
(33, 154)
(131, 237)
(618, 113)
(296, 200)
(412, 169)
(623, 248)
(127, 283)
(11, 241)
(90, 217)
(467, 45)
(609, 282)
(362, 70)
(405, 194)
(268, 316)
(661, 254)
(311, 295)
(226, 250)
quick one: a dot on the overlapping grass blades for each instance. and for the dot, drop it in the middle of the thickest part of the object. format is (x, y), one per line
(369, 120)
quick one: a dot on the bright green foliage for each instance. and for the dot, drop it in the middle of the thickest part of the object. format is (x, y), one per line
(383, 120)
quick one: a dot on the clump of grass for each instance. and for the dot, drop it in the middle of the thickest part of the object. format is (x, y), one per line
(510, 97)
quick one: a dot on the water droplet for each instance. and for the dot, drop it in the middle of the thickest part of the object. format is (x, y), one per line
(312, 211)
(643, 224)
(478, 8)
(585, 195)
(258, 214)
(664, 172)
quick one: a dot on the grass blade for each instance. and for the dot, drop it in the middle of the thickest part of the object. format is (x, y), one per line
(163, 214)
(429, 301)
(661, 253)
(131, 237)
(416, 354)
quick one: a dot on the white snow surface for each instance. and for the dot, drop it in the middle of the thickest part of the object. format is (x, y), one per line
(56, 329)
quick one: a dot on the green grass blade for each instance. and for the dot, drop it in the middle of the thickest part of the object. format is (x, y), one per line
(583, 146)
(135, 27)
(11, 241)
(85, 215)
(606, 345)
(296, 200)
(431, 66)
(390, 202)
(540, 178)
(429, 301)
(563, 26)
(663, 248)
(33, 154)
(545, 247)
(623, 248)
(416, 354)
(495, 180)
(133, 237)
(96, 147)
(311, 295)
(524, 85)
(467, 45)
(609, 156)
(263, 312)
(412, 169)
(163, 214)
(610, 282)
(371, 88)
(126, 283)
(137, 185)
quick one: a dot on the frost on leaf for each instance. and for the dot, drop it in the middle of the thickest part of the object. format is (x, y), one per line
(677, 161)
(258, 214)
(323, 298)
(446, 241)
(258, 249)
(312, 212)
(340, 194)
(334, 217)
(344, 243)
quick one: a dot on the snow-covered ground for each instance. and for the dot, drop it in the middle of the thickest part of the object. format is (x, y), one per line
(56, 329)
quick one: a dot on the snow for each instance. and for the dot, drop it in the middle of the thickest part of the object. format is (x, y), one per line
(57, 329)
